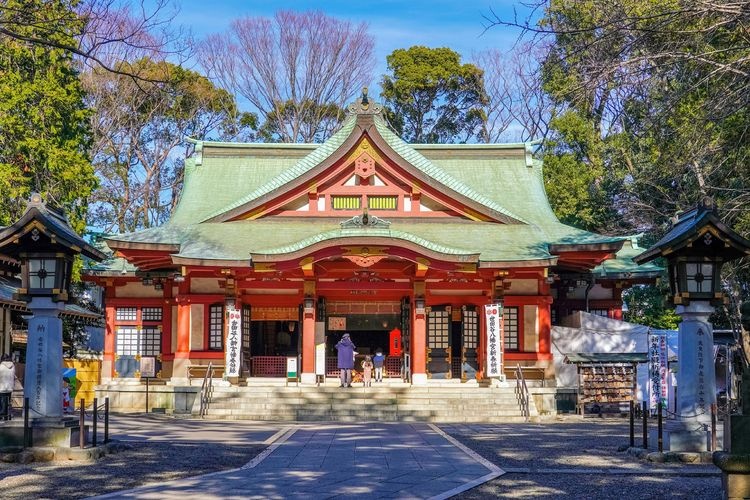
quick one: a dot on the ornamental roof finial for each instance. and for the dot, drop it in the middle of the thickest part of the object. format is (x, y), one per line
(363, 106)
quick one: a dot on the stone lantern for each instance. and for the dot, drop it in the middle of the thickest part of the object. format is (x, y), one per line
(45, 245)
(695, 248)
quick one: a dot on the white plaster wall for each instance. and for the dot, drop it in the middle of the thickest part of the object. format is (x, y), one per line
(205, 285)
(530, 328)
(137, 290)
(523, 287)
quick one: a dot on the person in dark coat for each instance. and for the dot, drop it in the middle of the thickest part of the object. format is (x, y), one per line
(345, 348)
(378, 360)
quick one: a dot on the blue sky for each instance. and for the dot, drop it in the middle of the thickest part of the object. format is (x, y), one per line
(394, 24)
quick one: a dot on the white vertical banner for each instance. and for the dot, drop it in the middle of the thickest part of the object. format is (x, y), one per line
(492, 315)
(233, 348)
(657, 369)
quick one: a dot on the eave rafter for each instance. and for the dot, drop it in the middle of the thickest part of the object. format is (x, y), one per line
(584, 260)
(146, 260)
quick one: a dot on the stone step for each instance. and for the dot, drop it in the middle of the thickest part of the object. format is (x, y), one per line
(383, 417)
(432, 403)
(311, 392)
(301, 401)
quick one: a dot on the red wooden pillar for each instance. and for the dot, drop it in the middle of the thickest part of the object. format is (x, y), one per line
(166, 325)
(545, 325)
(108, 359)
(182, 353)
(419, 347)
(308, 346)
(616, 312)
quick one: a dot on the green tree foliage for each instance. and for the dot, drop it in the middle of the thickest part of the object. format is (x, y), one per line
(431, 97)
(44, 131)
(139, 147)
(646, 306)
(75, 328)
(659, 91)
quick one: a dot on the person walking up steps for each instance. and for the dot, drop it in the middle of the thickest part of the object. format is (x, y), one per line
(378, 361)
(345, 348)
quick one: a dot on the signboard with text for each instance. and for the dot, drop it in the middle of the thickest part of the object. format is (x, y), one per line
(148, 367)
(291, 368)
(657, 369)
(493, 314)
(233, 348)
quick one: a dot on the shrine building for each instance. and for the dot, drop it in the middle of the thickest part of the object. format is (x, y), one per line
(400, 245)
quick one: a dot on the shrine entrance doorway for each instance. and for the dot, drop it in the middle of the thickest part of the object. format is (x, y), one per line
(369, 325)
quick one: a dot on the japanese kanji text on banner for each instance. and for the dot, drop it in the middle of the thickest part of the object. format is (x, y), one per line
(233, 350)
(493, 314)
(657, 368)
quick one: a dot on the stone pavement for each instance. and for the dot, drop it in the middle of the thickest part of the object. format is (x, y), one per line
(333, 460)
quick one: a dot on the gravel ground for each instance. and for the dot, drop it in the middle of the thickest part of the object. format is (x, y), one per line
(141, 463)
(577, 459)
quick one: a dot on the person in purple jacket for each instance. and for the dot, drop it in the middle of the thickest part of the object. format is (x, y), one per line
(345, 348)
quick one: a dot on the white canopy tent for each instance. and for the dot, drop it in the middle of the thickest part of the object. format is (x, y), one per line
(589, 333)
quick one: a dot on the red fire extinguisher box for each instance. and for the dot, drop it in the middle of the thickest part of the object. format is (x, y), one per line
(394, 342)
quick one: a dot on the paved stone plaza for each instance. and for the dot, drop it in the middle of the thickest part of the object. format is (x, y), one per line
(562, 459)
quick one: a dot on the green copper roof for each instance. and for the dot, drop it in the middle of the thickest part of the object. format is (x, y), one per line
(504, 178)
(302, 166)
(239, 239)
(419, 161)
(623, 266)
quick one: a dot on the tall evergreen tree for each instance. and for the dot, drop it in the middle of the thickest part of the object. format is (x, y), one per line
(431, 97)
(43, 120)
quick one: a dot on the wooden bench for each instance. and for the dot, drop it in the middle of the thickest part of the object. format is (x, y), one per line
(529, 373)
(199, 371)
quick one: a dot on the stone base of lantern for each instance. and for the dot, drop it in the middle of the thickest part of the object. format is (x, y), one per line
(49, 431)
(735, 474)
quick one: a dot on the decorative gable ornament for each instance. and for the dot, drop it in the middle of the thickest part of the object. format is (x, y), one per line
(363, 105)
(365, 220)
(364, 166)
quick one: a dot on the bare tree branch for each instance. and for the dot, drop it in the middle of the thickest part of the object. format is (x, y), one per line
(292, 68)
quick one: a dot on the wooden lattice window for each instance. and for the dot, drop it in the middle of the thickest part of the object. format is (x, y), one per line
(382, 202)
(150, 341)
(471, 329)
(246, 318)
(438, 329)
(216, 327)
(151, 314)
(604, 313)
(510, 332)
(346, 202)
(126, 341)
(126, 314)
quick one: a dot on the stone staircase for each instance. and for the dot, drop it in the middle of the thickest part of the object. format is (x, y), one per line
(387, 402)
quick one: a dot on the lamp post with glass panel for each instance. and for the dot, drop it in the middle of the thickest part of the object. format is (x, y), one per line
(695, 248)
(45, 245)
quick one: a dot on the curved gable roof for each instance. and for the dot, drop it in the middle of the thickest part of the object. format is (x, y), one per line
(338, 145)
